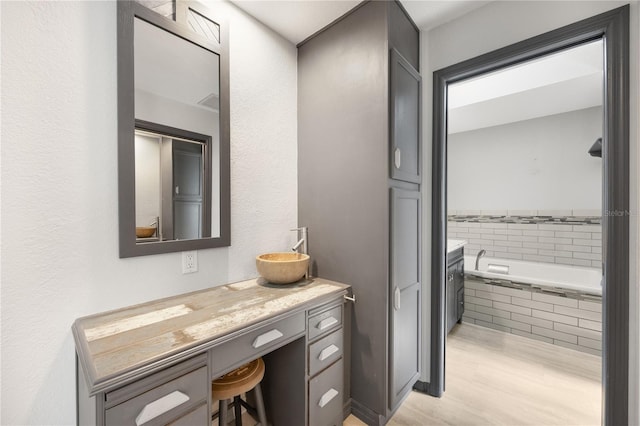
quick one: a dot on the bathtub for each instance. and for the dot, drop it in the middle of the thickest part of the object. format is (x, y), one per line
(548, 276)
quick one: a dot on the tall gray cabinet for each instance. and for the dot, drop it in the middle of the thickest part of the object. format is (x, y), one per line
(359, 174)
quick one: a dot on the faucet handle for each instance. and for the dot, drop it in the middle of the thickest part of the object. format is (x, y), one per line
(302, 228)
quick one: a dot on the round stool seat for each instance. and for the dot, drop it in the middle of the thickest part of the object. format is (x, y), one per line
(238, 381)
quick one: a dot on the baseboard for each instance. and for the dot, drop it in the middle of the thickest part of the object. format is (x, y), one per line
(366, 415)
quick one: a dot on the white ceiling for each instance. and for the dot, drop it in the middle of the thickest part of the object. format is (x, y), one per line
(299, 19)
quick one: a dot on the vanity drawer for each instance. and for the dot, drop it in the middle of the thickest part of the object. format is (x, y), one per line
(325, 397)
(324, 321)
(165, 403)
(325, 351)
(250, 346)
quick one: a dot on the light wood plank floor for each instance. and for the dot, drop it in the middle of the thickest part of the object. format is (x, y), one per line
(495, 378)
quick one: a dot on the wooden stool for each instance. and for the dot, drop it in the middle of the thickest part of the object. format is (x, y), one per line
(232, 385)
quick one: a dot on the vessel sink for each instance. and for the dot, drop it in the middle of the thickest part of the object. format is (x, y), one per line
(282, 268)
(145, 231)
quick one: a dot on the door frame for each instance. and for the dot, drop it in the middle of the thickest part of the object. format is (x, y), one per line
(613, 28)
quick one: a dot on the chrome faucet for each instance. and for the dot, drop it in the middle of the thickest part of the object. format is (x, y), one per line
(302, 242)
(478, 256)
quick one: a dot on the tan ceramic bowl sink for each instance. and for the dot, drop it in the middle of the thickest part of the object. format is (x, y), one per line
(145, 231)
(282, 268)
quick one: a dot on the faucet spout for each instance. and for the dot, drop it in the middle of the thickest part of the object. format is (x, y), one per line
(478, 256)
(298, 244)
(302, 246)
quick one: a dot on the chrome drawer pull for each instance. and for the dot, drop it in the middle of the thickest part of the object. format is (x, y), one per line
(267, 337)
(327, 352)
(160, 406)
(326, 323)
(327, 397)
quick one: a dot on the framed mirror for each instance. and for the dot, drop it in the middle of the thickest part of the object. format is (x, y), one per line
(173, 130)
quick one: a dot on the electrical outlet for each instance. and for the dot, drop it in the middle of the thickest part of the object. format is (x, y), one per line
(189, 262)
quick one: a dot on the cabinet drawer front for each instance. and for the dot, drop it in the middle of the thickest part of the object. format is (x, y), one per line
(199, 416)
(164, 403)
(324, 322)
(325, 397)
(325, 351)
(250, 346)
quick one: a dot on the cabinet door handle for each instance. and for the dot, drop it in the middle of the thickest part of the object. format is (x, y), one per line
(327, 397)
(267, 337)
(397, 158)
(326, 323)
(450, 277)
(396, 298)
(160, 406)
(327, 352)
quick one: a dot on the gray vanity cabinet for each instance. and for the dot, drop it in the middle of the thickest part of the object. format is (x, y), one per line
(359, 101)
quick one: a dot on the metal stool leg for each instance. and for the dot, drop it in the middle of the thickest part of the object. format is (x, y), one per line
(222, 418)
(237, 407)
(262, 416)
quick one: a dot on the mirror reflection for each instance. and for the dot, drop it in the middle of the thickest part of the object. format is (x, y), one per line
(177, 184)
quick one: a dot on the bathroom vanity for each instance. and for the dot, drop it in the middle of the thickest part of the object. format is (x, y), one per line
(153, 363)
(455, 282)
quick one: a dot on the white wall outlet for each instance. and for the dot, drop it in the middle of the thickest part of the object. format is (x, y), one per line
(189, 262)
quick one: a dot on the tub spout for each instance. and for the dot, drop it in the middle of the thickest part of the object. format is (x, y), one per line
(478, 256)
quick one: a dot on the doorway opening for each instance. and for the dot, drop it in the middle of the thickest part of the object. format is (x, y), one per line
(613, 29)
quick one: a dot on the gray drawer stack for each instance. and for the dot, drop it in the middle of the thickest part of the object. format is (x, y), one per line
(325, 366)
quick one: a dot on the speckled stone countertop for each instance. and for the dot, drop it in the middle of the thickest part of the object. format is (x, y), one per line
(112, 343)
(453, 245)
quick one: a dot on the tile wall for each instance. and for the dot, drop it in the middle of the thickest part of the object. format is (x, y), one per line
(567, 240)
(573, 321)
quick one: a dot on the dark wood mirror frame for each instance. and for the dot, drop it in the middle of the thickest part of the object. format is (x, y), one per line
(613, 28)
(127, 10)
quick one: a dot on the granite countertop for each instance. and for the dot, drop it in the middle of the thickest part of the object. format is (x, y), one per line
(453, 245)
(112, 343)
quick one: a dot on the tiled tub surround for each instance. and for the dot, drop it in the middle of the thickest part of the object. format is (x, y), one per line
(566, 240)
(570, 319)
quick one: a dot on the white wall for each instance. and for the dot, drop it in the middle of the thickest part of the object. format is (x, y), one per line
(500, 24)
(538, 164)
(59, 195)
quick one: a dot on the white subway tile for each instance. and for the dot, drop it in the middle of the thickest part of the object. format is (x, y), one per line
(591, 243)
(544, 246)
(512, 308)
(495, 237)
(493, 312)
(592, 325)
(505, 255)
(469, 212)
(512, 324)
(532, 336)
(538, 258)
(472, 224)
(492, 296)
(533, 304)
(494, 225)
(596, 264)
(554, 317)
(576, 262)
(477, 285)
(500, 231)
(539, 233)
(508, 243)
(469, 292)
(582, 235)
(467, 319)
(587, 228)
(477, 316)
(522, 250)
(555, 228)
(526, 238)
(493, 326)
(577, 348)
(555, 300)
(590, 256)
(514, 292)
(477, 301)
(590, 343)
(556, 335)
(596, 236)
(597, 249)
(579, 313)
(523, 226)
(532, 320)
(555, 253)
(554, 240)
(584, 332)
(569, 247)
(587, 212)
(493, 212)
(517, 232)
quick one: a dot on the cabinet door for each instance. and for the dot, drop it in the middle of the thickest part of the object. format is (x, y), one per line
(405, 111)
(405, 293)
(451, 297)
